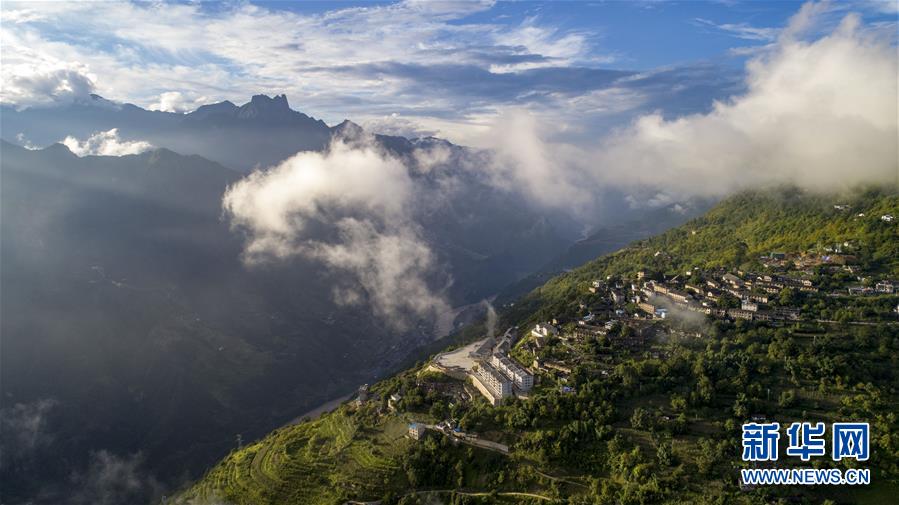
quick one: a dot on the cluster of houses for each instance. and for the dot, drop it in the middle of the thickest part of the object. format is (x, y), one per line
(735, 295)
(658, 298)
(885, 287)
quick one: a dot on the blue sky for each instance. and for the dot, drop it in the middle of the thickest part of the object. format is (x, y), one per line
(413, 67)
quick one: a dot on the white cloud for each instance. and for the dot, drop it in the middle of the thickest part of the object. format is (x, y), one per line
(522, 161)
(396, 124)
(145, 50)
(176, 101)
(742, 30)
(112, 480)
(35, 84)
(821, 114)
(349, 208)
(106, 143)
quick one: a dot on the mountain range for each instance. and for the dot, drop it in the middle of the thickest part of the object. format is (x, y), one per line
(131, 327)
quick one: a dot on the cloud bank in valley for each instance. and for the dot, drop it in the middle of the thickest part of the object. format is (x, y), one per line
(351, 209)
(106, 143)
(821, 114)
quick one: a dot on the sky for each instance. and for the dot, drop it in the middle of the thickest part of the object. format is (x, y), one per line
(413, 68)
(655, 102)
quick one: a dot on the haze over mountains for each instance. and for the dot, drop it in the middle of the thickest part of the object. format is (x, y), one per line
(259, 133)
(171, 280)
(139, 335)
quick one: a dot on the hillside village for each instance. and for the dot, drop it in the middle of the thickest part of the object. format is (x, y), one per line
(623, 316)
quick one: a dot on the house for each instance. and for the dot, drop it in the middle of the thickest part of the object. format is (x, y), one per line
(787, 313)
(749, 305)
(842, 207)
(587, 331)
(554, 365)
(758, 298)
(544, 330)
(362, 394)
(887, 218)
(678, 296)
(886, 287)
(417, 430)
(860, 290)
(733, 280)
(393, 401)
(739, 314)
(647, 307)
(695, 289)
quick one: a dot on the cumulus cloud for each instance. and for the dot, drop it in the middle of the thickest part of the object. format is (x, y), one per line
(32, 85)
(821, 114)
(106, 143)
(351, 209)
(818, 112)
(176, 101)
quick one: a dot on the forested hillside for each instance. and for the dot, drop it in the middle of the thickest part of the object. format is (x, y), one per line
(736, 233)
(615, 419)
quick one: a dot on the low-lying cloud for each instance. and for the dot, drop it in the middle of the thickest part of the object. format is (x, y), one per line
(106, 143)
(24, 430)
(112, 480)
(351, 208)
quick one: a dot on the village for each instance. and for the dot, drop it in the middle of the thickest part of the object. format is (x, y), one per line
(619, 316)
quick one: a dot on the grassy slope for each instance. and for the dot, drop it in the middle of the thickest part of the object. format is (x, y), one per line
(345, 455)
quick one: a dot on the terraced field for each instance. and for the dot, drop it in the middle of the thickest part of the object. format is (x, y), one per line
(326, 461)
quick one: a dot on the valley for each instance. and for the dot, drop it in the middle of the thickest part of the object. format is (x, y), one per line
(637, 367)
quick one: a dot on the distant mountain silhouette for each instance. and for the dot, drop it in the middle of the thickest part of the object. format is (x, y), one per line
(261, 132)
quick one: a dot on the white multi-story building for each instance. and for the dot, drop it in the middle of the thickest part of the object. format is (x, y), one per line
(492, 384)
(544, 330)
(523, 379)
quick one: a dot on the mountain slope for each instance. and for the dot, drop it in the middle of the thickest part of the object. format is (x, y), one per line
(128, 312)
(127, 308)
(658, 424)
(735, 234)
